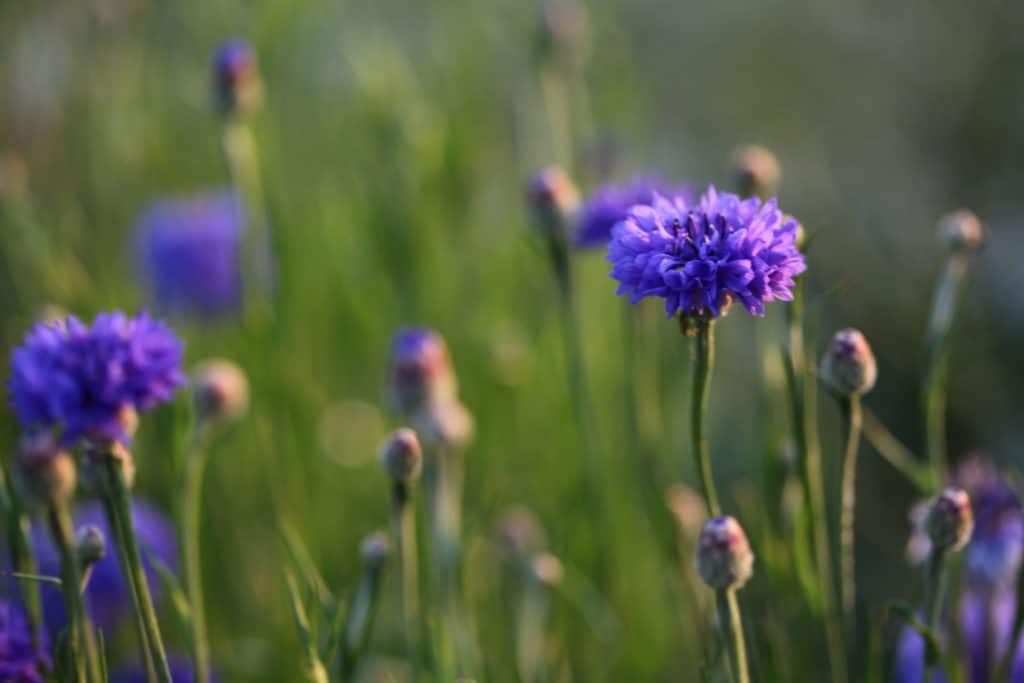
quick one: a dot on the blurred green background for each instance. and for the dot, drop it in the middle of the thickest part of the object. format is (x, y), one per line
(395, 141)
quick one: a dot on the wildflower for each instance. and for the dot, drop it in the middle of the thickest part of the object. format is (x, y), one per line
(611, 203)
(20, 660)
(189, 253)
(221, 391)
(44, 473)
(724, 559)
(107, 592)
(757, 171)
(950, 521)
(553, 200)
(401, 455)
(90, 545)
(420, 372)
(91, 380)
(849, 367)
(237, 86)
(962, 232)
(700, 257)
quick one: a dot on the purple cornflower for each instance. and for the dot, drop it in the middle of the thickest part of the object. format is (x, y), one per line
(107, 594)
(611, 203)
(236, 78)
(20, 660)
(701, 257)
(87, 380)
(190, 254)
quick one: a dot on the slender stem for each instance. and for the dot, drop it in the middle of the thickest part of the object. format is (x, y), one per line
(82, 641)
(794, 362)
(731, 625)
(359, 622)
(120, 519)
(936, 587)
(850, 408)
(705, 363)
(404, 522)
(195, 467)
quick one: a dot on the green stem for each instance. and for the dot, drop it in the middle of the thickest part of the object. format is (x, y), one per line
(359, 622)
(851, 414)
(705, 363)
(794, 362)
(82, 640)
(195, 468)
(19, 547)
(937, 575)
(731, 625)
(115, 491)
(404, 522)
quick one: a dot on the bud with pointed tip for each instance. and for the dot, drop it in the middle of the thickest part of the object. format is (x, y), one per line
(553, 200)
(950, 520)
(724, 558)
(221, 391)
(849, 366)
(962, 231)
(44, 473)
(375, 550)
(757, 171)
(90, 545)
(401, 455)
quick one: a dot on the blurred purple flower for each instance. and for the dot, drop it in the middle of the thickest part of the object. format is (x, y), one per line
(236, 79)
(19, 658)
(699, 257)
(82, 379)
(611, 203)
(189, 253)
(107, 593)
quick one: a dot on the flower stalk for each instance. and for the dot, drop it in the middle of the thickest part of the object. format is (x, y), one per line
(851, 416)
(731, 625)
(195, 467)
(704, 351)
(403, 520)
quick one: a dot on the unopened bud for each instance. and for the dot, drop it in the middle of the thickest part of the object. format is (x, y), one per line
(547, 569)
(962, 231)
(90, 545)
(724, 558)
(375, 550)
(520, 534)
(553, 200)
(757, 171)
(950, 520)
(688, 508)
(221, 391)
(420, 372)
(402, 456)
(237, 87)
(447, 425)
(45, 473)
(97, 455)
(562, 30)
(848, 366)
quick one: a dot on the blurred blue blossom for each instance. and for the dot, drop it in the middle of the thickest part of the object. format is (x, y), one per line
(190, 254)
(19, 658)
(82, 379)
(611, 203)
(236, 78)
(700, 257)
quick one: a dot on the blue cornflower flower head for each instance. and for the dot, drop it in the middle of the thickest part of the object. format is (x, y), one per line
(20, 659)
(700, 257)
(189, 252)
(236, 78)
(611, 203)
(107, 593)
(88, 381)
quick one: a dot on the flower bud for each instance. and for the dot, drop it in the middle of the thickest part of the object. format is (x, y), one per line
(95, 454)
(688, 508)
(401, 455)
(237, 87)
(375, 550)
(90, 545)
(757, 171)
(950, 520)
(447, 425)
(44, 473)
(561, 31)
(962, 232)
(420, 372)
(553, 200)
(848, 366)
(547, 569)
(520, 534)
(724, 559)
(221, 391)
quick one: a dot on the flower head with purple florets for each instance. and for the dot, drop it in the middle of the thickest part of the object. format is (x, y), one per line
(700, 257)
(20, 659)
(82, 381)
(189, 254)
(236, 78)
(611, 203)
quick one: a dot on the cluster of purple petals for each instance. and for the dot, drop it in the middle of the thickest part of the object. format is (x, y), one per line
(611, 203)
(79, 378)
(190, 254)
(232, 60)
(700, 257)
(107, 594)
(20, 660)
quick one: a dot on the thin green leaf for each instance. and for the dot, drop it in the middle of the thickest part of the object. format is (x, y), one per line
(39, 578)
(303, 563)
(178, 599)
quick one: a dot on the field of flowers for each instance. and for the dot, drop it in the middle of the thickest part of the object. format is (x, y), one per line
(503, 341)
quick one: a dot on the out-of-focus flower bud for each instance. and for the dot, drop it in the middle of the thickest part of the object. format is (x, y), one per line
(950, 520)
(221, 391)
(962, 231)
(688, 508)
(375, 550)
(561, 31)
(447, 425)
(848, 366)
(401, 455)
(237, 86)
(90, 545)
(519, 533)
(420, 372)
(724, 558)
(553, 200)
(45, 473)
(757, 171)
(547, 569)
(95, 454)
